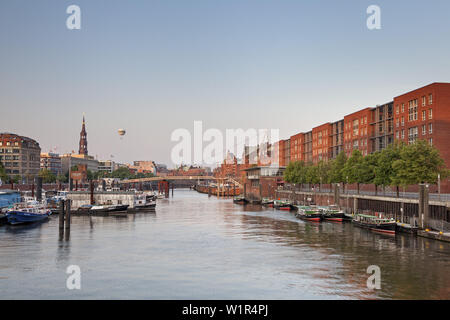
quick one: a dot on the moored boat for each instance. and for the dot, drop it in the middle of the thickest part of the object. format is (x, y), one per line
(26, 213)
(108, 208)
(240, 200)
(283, 205)
(333, 213)
(309, 214)
(374, 223)
(267, 202)
(86, 208)
(145, 202)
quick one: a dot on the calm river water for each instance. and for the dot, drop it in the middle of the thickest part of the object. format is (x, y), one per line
(195, 247)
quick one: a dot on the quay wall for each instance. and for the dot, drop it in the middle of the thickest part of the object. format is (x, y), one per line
(433, 214)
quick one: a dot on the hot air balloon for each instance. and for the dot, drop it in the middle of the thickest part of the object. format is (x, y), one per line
(121, 132)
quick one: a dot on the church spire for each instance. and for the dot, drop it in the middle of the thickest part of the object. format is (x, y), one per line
(83, 139)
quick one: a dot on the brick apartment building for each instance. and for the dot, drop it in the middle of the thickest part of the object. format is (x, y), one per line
(423, 113)
(357, 131)
(297, 147)
(321, 142)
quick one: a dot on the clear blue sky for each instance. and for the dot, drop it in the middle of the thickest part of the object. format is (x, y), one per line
(153, 66)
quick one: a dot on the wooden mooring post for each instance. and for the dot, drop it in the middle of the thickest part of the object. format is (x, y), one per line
(61, 218)
(67, 220)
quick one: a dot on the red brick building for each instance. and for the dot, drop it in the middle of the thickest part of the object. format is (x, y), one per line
(229, 168)
(261, 182)
(357, 132)
(297, 147)
(321, 142)
(425, 114)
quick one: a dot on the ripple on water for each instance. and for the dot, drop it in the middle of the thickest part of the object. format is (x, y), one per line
(195, 247)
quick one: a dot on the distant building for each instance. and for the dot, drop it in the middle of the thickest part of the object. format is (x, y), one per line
(161, 170)
(20, 156)
(185, 170)
(261, 182)
(107, 166)
(144, 166)
(52, 162)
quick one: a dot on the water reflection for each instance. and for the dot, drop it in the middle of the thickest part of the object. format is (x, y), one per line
(196, 247)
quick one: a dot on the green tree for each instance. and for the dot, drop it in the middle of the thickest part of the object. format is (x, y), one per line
(312, 174)
(384, 171)
(337, 168)
(368, 169)
(47, 176)
(323, 169)
(295, 172)
(122, 173)
(354, 168)
(418, 163)
(289, 172)
(61, 178)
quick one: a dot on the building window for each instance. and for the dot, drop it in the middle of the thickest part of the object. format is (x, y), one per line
(424, 115)
(412, 110)
(403, 121)
(430, 99)
(397, 134)
(430, 128)
(424, 129)
(430, 114)
(403, 107)
(403, 133)
(430, 141)
(424, 101)
(397, 109)
(412, 135)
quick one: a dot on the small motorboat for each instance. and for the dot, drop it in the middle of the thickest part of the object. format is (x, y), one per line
(109, 208)
(283, 205)
(376, 224)
(85, 208)
(267, 202)
(240, 200)
(27, 213)
(145, 202)
(333, 213)
(309, 213)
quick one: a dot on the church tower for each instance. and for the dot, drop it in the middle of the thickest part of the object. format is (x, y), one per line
(83, 140)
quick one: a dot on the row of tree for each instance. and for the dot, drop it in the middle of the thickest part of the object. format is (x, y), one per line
(398, 165)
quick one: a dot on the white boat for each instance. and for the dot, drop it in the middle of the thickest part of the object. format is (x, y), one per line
(145, 202)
